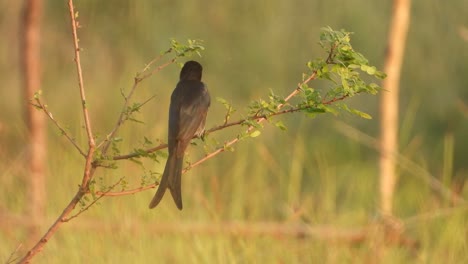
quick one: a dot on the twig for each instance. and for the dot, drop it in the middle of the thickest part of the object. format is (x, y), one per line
(57, 124)
(135, 154)
(128, 192)
(107, 142)
(92, 144)
(11, 258)
(149, 64)
(227, 116)
(80, 74)
(102, 194)
(159, 68)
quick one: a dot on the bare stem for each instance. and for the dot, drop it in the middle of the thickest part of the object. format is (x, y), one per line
(87, 121)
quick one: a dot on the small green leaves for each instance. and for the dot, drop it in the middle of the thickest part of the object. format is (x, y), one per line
(361, 114)
(229, 109)
(192, 46)
(342, 70)
(262, 108)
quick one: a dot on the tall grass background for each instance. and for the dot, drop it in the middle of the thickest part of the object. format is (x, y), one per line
(310, 174)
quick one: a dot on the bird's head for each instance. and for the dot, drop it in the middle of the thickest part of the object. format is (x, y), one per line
(192, 70)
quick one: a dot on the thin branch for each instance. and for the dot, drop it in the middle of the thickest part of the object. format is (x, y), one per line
(159, 68)
(128, 192)
(228, 115)
(11, 258)
(89, 156)
(107, 142)
(57, 124)
(73, 16)
(102, 194)
(153, 61)
(135, 154)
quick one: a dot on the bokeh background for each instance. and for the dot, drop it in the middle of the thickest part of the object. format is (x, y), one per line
(310, 174)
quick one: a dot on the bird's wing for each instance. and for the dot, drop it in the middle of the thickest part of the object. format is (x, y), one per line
(192, 114)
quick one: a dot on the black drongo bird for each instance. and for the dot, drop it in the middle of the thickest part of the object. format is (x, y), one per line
(187, 114)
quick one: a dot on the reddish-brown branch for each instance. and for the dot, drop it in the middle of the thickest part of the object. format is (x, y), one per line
(53, 228)
(87, 120)
(88, 170)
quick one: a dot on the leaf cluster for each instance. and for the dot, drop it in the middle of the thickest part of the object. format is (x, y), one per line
(343, 71)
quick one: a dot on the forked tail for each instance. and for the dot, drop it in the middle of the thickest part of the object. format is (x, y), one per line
(171, 179)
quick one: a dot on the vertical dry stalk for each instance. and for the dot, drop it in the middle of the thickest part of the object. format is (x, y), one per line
(31, 70)
(91, 143)
(389, 102)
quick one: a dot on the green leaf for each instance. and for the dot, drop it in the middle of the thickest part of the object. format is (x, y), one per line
(371, 70)
(281, 126)
(361, 114)
(147, 141)
(380, 75)
(256, 133)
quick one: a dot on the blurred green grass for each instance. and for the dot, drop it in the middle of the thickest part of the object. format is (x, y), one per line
(312, 169)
